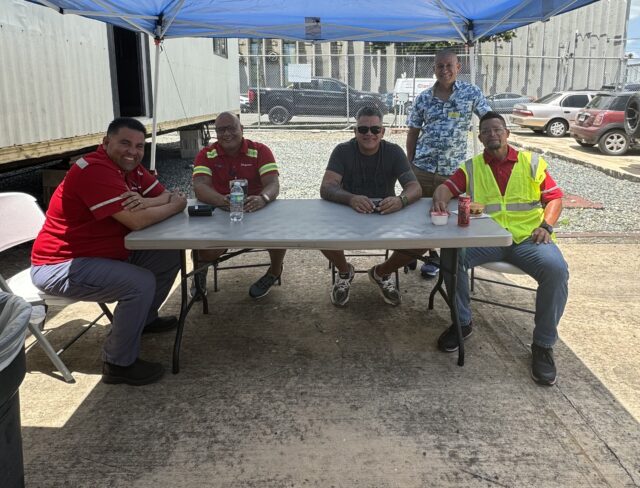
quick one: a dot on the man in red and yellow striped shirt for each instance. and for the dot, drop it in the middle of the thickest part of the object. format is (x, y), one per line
(234, 157)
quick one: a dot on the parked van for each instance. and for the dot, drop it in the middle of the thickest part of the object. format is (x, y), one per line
(406, 89)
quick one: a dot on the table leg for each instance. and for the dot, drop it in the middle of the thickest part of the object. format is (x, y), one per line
(185, 306)
(449, 261)
(184, 310)
(438, 288)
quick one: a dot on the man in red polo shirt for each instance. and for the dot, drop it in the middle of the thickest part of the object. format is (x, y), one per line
(80, 253)
(234, 157)
(520, 195)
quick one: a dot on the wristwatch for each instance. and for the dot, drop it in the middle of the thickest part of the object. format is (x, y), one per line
(266, 198)
(546, 227)
(404, 200)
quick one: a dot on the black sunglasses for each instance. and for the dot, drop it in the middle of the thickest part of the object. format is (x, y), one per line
(375, 129)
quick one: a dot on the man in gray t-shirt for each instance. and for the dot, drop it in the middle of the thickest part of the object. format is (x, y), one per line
(362, 173)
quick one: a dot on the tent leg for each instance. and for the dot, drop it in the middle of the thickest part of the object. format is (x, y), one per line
(472, 58)
(154, 126)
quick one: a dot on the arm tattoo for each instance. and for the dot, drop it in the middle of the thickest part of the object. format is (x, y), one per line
(406, 177)
(335, 193)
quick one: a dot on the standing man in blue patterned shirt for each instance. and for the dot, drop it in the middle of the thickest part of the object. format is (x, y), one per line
(439, 129)
(443, 114)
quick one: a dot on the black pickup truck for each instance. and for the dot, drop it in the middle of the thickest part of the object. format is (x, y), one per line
(319, 96)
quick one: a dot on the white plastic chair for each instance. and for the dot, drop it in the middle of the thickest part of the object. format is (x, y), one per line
(21, 219)
(505, 268)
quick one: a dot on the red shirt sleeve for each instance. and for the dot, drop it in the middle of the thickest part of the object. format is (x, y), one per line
(549, 189)
(149, 184)
(201, 157)
(457, 182)
(267, 160)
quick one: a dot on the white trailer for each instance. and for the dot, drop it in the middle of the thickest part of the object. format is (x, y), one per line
(63, 78)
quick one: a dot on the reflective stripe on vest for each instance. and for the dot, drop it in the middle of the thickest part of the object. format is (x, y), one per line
(469, 170)
(513, 207)
(535, 161)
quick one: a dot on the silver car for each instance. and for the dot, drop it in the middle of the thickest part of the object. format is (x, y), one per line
(504, 102)
(552, 113)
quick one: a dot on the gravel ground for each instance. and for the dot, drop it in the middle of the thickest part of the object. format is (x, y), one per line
(303, 155)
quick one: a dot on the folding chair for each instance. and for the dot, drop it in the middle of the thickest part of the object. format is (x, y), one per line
(217, 264)
(21, 219)
(230, 254)
(505, 268)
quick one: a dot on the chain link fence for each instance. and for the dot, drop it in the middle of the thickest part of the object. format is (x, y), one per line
(323, 89)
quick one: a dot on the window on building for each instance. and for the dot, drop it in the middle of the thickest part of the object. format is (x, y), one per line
(220, 47)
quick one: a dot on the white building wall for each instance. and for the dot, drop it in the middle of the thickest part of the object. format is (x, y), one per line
(54, 77)
(567, 52)
(56, 82)
(193, 77)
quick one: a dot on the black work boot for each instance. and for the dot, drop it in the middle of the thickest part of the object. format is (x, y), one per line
(448, 340)
(139, 373)
(543, 367)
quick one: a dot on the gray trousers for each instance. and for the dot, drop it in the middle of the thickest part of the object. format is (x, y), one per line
(139, 286)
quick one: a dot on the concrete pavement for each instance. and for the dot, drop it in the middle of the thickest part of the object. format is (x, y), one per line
(290, 391)
(626, 167)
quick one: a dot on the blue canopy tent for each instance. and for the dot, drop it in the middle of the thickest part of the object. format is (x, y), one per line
(312, 20)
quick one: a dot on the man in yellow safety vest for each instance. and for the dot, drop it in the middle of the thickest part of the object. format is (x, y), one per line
(521, 196)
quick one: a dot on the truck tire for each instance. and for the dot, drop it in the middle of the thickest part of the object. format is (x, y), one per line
(557, 128)
(632, 116)
(279, 115)
(614, 142)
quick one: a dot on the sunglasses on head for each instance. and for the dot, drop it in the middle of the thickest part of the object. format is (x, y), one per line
(375, 129)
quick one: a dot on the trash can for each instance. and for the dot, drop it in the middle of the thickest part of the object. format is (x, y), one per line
(14, 317)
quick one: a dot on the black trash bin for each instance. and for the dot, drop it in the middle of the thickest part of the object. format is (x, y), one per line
(14, 318)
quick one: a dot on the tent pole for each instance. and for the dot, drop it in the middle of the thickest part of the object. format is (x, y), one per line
(472, 56)
(258, 87)
(154, 125)
(346, 73)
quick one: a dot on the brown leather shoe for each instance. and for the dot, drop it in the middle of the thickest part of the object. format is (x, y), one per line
(139, 373)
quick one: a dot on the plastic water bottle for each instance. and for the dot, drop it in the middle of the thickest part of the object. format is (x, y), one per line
(236, 202)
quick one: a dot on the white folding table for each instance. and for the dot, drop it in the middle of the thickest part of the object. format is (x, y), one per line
(318, 224)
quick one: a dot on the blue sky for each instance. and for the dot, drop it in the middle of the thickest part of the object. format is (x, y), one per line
(633, 31)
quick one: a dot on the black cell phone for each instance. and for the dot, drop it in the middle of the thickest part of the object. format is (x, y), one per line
(376, 203)
(200, 210)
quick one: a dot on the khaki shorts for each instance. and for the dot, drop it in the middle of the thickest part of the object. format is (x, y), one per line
(428, 181)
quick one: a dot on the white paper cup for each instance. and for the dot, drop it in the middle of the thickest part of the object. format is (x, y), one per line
(439, 218)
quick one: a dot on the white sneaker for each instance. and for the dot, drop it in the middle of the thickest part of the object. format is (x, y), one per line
(340, 290)
(386, 286)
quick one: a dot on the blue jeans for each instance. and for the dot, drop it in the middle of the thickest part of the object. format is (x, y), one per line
(543, 262)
